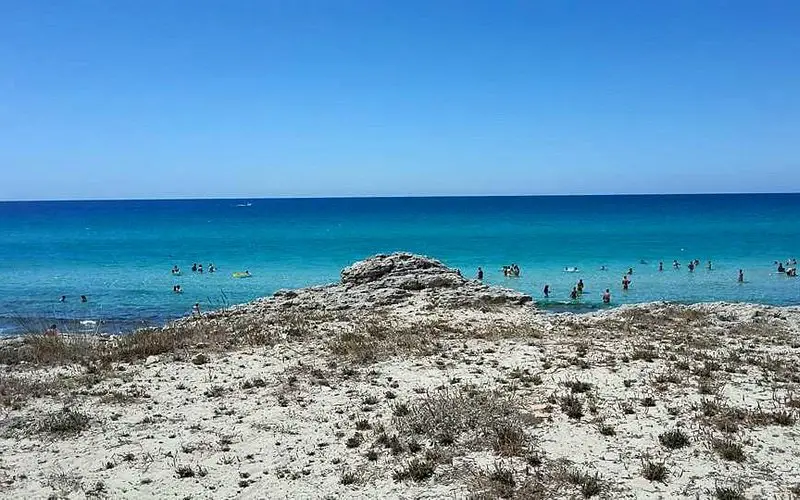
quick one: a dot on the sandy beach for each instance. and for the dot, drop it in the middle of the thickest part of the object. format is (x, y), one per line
(406, 380)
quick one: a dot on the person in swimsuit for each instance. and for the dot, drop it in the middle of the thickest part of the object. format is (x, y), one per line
(625, 282)
(84, 299)
(546, 291)
(660, 266)
(607, 297)
(741, 276)
(580, 286)
(574, 293)
(63, 298)
(691, 267)
(194, 267)
(480, 273)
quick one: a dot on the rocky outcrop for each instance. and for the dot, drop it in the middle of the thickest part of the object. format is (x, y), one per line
(400, 281)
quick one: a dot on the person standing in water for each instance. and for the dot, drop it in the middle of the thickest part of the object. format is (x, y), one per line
(199, 268)
(607, 297)
(196, 308)
(709, 265)
(580, 286)
(480, 274)
(63, 298)
(691, 267)
(625, 282)
(84, 299)
(660, 266)
(546, 291)
(574, 293)
(194, 267)
(741, 276)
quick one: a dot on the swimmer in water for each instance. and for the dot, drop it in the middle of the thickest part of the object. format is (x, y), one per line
(625, 282)
(196, 308)
(630, 270)
(709, 265)
(603, 268)
(84, 299)
(660, 266)
(194, 267)
(546, 291)
(691, 267)
(607, 297)
(480, 273)
(580, 286)
(211, 268)
(199, 268)
(781, 269)
(175, 270)
(741, 276)
(676, 264)
(574, 293)
(63, 298)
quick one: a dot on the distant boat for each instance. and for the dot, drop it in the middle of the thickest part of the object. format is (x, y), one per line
(248, 204)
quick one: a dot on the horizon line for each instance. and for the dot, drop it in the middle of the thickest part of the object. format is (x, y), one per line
(411, 196)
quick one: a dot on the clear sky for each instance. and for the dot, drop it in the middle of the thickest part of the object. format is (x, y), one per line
(257, 98)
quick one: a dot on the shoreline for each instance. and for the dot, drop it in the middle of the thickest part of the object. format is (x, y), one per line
(86, 326)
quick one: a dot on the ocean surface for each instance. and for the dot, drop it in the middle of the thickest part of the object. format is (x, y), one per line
(120, 253)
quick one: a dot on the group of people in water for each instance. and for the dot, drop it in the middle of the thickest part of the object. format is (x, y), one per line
(789, 269)
(196, 268)
(511, 271)
(64, 298)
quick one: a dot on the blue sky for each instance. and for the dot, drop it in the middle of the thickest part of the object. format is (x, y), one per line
(254, 98)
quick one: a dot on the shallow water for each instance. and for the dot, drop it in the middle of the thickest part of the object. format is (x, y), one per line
(119, 253)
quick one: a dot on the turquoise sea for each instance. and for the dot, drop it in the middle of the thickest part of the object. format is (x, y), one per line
(119, 253)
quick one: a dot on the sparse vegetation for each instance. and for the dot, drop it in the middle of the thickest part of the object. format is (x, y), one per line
(415, 470)
(485, 419)
(674, 439)
(729, 493)
(728, 449)
(654, 471)
(572, 406)
(589, 485)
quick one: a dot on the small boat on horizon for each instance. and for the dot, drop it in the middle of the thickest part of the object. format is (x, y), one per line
(248, 204)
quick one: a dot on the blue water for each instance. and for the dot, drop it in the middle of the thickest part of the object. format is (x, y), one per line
(119, 253)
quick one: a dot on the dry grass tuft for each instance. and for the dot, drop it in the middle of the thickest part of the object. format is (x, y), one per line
(478, 418)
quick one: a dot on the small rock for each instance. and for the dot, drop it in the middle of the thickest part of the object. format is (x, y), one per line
(151, 360)
(199, 359)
